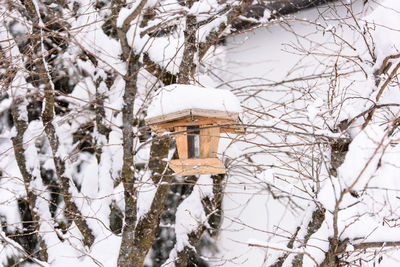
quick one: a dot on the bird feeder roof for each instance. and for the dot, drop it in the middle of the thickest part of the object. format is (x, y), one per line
(176, 102)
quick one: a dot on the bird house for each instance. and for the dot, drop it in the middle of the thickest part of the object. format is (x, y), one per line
(196, 117)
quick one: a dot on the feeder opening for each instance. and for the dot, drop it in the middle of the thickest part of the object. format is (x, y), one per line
(193, 141)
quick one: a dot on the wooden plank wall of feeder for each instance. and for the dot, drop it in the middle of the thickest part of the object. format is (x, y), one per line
(209, 139)
(181, 142)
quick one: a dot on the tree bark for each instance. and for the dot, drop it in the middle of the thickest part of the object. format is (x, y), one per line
(72, 211)
(19, 151)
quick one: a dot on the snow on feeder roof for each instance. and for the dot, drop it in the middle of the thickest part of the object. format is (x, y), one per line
(199, 115)
(178, 97)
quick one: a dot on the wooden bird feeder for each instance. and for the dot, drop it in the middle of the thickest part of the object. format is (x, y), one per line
(197, 129)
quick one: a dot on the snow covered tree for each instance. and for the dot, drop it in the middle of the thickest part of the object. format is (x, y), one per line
(84, 181)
